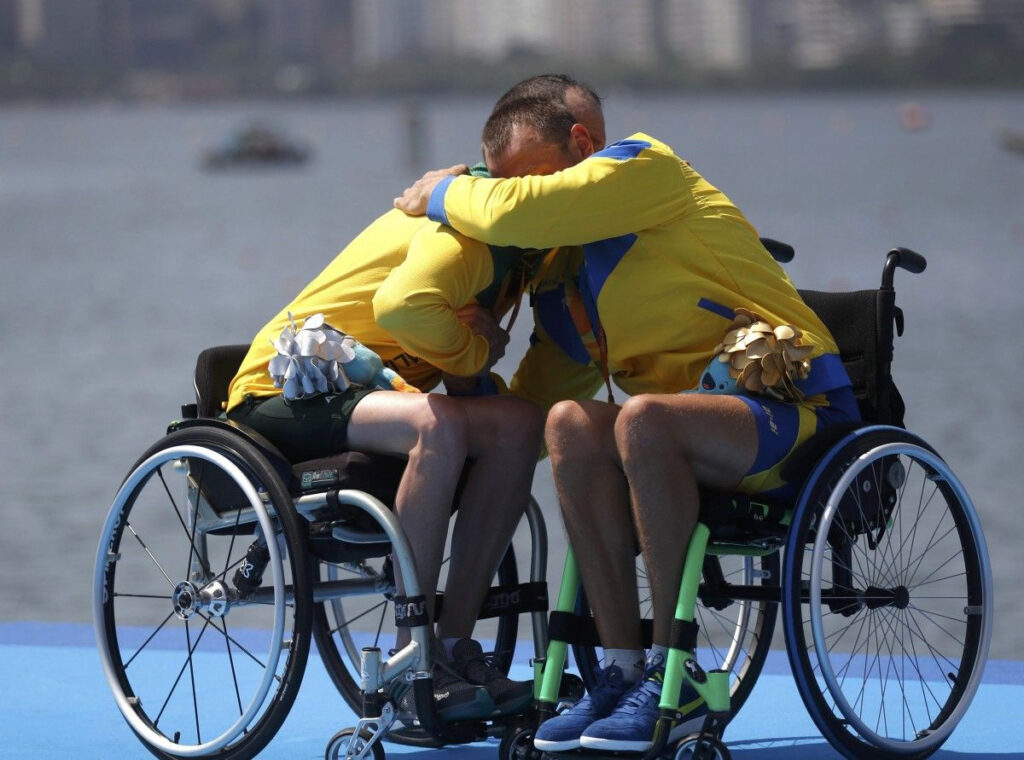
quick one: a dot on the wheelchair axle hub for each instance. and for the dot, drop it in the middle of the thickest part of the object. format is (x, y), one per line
(188, 599)
(898, 597)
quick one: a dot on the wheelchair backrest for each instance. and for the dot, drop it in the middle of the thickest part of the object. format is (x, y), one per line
(215, 368)
(862, 323)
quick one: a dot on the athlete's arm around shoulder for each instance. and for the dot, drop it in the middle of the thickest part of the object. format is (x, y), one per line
(418, 301)
(629, 186)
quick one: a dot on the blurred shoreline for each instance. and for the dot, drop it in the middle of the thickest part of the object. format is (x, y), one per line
(38, 81)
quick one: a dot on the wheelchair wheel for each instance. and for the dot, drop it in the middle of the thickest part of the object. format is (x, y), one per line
(887, 596)
(734, 635)
(198, 668)
(343, 626)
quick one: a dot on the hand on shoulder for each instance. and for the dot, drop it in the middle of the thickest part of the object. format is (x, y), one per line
(413, 201)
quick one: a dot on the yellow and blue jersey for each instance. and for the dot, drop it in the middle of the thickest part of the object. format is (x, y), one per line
(396, 288)
(663, 259)
(654, 261)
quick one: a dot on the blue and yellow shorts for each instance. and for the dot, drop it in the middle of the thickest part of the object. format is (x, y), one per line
(782, 427)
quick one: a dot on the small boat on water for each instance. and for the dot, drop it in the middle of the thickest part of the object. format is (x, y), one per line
(257, 145)
(1012, 139)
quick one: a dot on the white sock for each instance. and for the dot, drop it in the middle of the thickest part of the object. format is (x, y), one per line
(631, 661)
(657, 656)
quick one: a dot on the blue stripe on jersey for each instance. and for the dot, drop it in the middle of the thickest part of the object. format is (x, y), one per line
(554, 317)
(601, 257)
(717, 308)
(623, 149)
(435, 205)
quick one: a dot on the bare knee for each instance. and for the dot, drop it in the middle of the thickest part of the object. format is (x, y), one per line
(442, 429)
(645, 428)
(574, 431)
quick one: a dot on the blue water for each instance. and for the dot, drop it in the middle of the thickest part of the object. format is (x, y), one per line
(122, 259)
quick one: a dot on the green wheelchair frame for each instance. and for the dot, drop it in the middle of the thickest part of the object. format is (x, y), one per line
(712, 686)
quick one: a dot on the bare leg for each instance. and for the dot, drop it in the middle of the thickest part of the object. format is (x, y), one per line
(595, 506)
(432, 430)
(503, 441)
(669, 443)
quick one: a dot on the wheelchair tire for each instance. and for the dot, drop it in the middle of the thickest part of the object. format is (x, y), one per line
(887, 596)
(736, 638)
(343, 626)
(197, 668)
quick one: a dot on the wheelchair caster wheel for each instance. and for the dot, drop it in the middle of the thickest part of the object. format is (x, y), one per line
(517, 744)
(693, 747)
(346, 741)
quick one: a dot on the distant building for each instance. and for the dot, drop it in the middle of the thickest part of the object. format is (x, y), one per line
(296, 44)
(157, 33)
(710, 36)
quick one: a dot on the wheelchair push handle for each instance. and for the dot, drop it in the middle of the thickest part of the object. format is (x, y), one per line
(903, 258)
(781, 252)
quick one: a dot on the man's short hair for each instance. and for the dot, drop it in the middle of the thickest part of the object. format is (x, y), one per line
(548, 86)
(548, 116)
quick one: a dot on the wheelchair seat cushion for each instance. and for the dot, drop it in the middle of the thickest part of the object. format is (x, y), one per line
(376, 474)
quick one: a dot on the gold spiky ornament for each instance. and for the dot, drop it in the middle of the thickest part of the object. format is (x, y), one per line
(765, 359)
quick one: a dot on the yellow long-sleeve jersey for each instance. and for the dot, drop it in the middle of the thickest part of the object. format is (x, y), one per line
(664, 259)
(396, 288)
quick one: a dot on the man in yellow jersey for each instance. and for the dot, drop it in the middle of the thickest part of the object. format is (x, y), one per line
(670, 277)
(426, 300)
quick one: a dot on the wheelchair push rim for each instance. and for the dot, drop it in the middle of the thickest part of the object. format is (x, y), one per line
(891, 648)
(193, 609)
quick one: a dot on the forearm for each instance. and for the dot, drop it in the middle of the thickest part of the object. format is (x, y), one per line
(427, 326)
(602, 197)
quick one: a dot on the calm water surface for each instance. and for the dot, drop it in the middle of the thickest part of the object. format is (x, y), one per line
(122, 259)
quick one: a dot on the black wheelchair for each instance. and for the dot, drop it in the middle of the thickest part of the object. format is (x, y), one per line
(220, 561)
(879, 566)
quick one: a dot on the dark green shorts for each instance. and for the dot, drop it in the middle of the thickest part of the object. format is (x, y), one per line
(305, 428)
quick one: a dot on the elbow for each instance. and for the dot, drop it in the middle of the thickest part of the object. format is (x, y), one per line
(387, 310)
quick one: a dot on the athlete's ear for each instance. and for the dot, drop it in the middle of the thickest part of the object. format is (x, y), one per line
(580, 137)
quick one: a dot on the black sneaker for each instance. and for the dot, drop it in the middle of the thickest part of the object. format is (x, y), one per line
(509, 696)
(454, 698)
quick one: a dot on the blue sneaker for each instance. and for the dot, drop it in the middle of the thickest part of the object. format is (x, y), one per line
(562, 733)
(630, 727)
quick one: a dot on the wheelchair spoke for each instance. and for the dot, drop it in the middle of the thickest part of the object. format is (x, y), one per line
(141, 647)
(926, 690)
(181, 521)
(186, 665)
(228, 641)
(130, 595)
(228, 565)
(234, 672)
(192, 679)
(937, 625)
(145, 548)
(959, 555)
(380, 626)
(241, 647)
(932, 541)
(349, 621)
